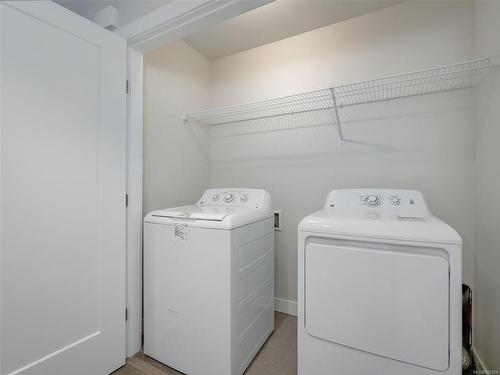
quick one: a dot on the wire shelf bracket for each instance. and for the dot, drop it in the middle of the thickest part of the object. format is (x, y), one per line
(341, 135)
(435, 80)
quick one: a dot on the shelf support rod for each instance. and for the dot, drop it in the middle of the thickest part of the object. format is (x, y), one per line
(341, 135)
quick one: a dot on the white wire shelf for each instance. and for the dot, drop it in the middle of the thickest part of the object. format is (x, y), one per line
(445, 78)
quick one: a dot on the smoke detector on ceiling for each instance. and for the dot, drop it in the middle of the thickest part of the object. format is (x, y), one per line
(108, 17)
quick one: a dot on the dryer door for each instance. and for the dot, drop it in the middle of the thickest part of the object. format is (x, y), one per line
(388, 300)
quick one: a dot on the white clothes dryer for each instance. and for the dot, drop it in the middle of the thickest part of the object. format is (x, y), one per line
(379, 287)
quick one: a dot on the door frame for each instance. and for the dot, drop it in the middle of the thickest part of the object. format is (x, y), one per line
(134, 200)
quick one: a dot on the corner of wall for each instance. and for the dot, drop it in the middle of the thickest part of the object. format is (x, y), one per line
(486, 253)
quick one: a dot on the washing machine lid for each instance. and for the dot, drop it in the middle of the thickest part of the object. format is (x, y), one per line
(193, 213)
(379, 213)
(218, 208)
(207, 217)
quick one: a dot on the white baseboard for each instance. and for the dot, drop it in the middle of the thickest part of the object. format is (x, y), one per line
(477, 359)
(285, 306)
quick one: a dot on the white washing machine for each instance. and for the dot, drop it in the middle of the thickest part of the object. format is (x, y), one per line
(209, 282)
(379, 287)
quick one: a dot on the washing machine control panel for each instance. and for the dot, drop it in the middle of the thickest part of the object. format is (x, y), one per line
(380, 200)
(253, 198)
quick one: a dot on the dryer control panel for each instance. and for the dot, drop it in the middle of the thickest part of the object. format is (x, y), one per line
(409, 202)
(252, 198)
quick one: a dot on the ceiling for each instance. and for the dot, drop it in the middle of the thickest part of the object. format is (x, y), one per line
(129, 10)
(275, 21)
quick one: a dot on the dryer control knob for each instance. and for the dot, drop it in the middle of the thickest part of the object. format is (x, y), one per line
(216, 197)
(244, 198)
(372, 200)
(229, 197)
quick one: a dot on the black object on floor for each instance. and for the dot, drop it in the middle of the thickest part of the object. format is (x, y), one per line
(467, 325)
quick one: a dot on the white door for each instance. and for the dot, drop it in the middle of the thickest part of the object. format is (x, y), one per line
(62, 188)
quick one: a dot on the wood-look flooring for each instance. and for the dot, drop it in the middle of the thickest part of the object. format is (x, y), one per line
(278, 356)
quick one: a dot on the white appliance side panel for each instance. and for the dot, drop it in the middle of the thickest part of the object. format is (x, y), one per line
(187, 292)
(253, 293)
(389, 303)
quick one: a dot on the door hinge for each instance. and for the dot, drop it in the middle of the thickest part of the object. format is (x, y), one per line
(126, 315)
(127, 86)
(126, 200)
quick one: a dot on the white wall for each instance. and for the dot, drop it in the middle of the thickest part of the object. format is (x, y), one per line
(425, 143)
(487, 255)
(176, 154)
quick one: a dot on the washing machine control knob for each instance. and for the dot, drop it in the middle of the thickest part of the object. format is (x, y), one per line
(229, 197)
(216, 197)
(396, 201)
(244, 198)
(372, 200)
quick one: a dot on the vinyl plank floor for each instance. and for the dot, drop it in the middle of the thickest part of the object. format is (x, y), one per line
(278, 356)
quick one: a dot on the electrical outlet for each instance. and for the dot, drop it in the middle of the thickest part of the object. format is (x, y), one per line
(277, 220)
